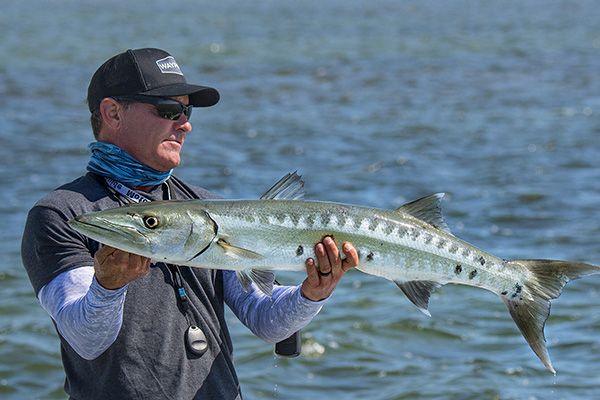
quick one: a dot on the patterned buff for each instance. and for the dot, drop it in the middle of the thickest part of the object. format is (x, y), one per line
(111, 161)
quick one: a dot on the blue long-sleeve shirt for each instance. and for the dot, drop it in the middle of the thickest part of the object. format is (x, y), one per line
(89, 316)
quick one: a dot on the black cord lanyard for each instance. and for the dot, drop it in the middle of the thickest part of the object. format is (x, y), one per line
(195, 338)
(181, 294)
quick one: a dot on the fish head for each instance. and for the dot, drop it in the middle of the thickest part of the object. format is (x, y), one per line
(166, 231)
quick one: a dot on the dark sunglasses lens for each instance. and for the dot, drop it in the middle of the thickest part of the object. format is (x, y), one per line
(173, 111)
(165, 107)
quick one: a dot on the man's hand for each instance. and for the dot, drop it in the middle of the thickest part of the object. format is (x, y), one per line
(115, 268)
(322, 279)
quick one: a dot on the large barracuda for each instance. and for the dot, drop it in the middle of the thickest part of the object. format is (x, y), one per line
(410, 246)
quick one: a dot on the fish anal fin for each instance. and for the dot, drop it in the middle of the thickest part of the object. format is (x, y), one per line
(418, 292)
(427, 209)
(290, 187)
(238, 252)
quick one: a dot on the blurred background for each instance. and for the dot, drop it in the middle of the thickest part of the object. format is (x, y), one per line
(374, 103)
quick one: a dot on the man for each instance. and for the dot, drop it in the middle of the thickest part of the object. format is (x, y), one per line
(129, 329)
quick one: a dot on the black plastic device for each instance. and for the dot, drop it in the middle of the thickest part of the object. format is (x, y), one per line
(290, 347)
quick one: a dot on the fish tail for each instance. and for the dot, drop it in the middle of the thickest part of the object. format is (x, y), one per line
(529, 302)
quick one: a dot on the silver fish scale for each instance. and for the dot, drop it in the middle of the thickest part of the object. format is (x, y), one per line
(391, 244)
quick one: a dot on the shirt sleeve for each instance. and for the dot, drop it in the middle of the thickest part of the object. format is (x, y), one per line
(270, 318)
(87, 315)
(50, 247)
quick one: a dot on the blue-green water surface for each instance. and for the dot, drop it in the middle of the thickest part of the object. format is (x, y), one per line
(375, 103)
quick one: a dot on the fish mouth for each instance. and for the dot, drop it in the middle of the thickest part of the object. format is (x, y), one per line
(104, 231)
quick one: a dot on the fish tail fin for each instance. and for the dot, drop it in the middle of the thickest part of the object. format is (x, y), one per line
(529, 303)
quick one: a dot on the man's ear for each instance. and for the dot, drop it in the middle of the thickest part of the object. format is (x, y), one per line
(111, 110)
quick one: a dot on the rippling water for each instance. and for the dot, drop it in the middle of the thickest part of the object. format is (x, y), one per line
(376, 103)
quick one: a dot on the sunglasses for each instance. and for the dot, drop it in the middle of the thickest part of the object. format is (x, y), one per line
(165, 107)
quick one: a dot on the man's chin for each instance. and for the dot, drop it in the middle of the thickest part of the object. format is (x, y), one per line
(169, 157)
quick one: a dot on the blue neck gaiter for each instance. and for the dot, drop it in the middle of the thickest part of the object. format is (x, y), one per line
(113, 162)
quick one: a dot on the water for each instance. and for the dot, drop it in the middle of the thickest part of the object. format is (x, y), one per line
(376, 103)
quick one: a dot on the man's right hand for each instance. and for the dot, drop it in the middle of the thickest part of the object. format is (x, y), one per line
(116, 268)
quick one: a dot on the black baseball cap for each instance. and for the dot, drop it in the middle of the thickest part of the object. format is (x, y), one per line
(151, 72)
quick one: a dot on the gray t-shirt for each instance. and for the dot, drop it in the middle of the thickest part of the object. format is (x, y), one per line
(148, 360)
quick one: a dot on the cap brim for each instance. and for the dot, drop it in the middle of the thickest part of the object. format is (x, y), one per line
(200, 96)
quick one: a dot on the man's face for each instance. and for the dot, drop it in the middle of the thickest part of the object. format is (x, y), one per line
(153, 140)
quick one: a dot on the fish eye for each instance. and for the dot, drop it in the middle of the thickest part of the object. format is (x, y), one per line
(151, 221)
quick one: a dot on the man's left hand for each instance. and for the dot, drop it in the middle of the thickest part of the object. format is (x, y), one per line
(324, 275)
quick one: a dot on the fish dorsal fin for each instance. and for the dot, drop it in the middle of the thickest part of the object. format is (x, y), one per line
(263, 279)
(428, 209)
(418, 292)
(290, 187)
(238, 252)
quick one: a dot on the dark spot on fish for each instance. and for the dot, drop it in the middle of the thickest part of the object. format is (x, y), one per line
(473, 274)
(370, 256)
(458, 269)
(300, 250)
(441, 243)
(381, 243)
(518, 288)
(482, 260)
(414, 234)
(504, 293)
(520, 298)
(428, 238)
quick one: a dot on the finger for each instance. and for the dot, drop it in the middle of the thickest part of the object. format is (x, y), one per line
(311, 272)
(333, 254)
(103, 253)
(119, 257)
(351, 254)
(140, 264)
(322, 259)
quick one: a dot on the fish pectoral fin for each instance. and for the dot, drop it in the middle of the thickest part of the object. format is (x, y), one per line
(244, 279)
(238, 252)
(263, 279)
(428, 209)
(290, 187)
(418, 292)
